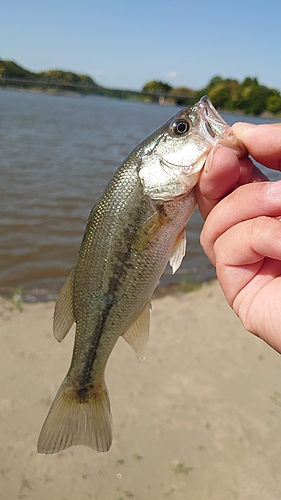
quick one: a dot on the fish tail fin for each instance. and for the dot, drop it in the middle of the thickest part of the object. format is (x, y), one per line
(77, 417)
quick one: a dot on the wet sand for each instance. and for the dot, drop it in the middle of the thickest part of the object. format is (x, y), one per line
(200, 418)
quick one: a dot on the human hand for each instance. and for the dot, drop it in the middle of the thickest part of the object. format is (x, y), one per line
(242, 232)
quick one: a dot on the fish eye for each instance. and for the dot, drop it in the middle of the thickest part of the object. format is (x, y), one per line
(180, 127)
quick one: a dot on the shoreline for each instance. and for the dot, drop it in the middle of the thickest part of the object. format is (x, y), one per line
(19, 295)
(68, 93)
(197, 419)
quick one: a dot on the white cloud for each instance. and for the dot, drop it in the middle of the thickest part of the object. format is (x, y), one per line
(172, 74)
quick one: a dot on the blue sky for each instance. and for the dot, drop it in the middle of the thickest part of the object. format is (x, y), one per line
(124, 44)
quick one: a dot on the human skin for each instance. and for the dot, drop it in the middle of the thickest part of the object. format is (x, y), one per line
(242, 231)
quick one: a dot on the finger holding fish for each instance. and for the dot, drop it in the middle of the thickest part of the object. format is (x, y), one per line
(223, 172)
(262, 141)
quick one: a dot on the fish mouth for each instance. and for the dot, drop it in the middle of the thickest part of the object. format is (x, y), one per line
(215, 129)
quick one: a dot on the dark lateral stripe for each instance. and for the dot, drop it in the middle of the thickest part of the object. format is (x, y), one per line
(109, 300)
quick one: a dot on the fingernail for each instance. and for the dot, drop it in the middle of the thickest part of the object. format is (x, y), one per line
(274, 189)
(243, 128)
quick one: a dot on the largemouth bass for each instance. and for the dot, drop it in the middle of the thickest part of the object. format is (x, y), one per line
(138, 225)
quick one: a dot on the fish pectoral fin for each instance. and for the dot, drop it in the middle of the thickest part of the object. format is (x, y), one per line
(149, 230)
(179, 251)
(63, 315)
(138, 334)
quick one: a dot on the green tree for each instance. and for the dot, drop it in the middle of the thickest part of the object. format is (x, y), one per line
(216, 80)
(157, 87)
(222, 94)
(66, 77)
(252, 97)
(273, 103)
(13, 70)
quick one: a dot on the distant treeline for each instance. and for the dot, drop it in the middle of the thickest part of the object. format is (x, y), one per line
(9, 69)
(248, 97)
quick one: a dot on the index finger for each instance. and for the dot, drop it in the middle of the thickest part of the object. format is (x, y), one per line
(262, 141)
(222, 173)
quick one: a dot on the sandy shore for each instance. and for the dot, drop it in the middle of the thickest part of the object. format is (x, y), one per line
(200, 418)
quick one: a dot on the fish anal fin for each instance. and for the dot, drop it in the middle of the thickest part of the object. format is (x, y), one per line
(138, 334)
(179, 251)
(77, 418)
(63, 315)
(149, 230)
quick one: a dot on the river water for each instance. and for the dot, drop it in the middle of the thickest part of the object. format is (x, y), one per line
(58, 153)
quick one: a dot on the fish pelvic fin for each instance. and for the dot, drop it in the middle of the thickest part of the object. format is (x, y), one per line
(77, 417)
(63, 315)
(137, 335)
(179, 251)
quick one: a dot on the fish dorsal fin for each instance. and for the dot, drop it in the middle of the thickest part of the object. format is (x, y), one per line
(179, 251)
(138, 333)
(64, 316)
